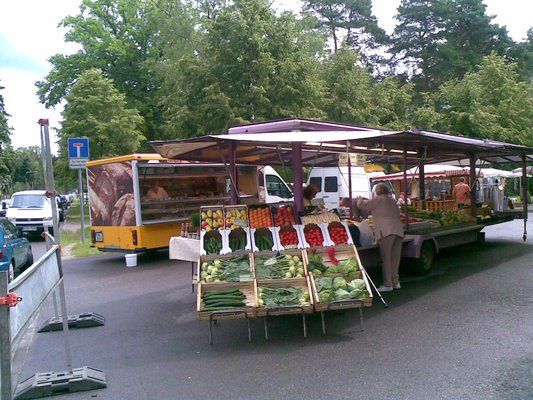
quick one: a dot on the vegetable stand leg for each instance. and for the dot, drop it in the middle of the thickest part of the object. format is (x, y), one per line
(323, 322)
(285, 310)
(233, 313)
(361, 318)
(266, 327)
(304, 323)
(192, 276)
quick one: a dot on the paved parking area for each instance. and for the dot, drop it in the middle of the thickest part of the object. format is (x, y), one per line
(465, 331)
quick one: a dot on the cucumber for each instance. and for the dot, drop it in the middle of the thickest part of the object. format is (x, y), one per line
(227, 303)
(218, 308)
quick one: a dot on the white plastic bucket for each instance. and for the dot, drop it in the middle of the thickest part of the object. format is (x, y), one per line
(131, 260)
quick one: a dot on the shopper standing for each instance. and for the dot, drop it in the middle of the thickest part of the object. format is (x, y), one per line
(388, 232)
(461, 193)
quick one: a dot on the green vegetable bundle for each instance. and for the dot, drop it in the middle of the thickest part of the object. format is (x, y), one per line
(274, 297)
(264, 240)
(227, 270)
(223, 300)
(333, 289)
(212, 244)
(315, 264)
(278, 267)
(237, 240)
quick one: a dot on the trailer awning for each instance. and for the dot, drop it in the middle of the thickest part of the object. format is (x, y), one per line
(431, 171)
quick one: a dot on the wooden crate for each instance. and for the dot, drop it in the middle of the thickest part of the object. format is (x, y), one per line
(249, 289)
(212, 257)
(293, 252)
(342, 252)
(343, 304)
(302, 283)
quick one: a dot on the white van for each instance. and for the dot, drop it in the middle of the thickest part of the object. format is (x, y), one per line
(272, 187)
(332, 183)
(30, 211)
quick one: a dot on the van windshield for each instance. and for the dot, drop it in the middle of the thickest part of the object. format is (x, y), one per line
(27, 201)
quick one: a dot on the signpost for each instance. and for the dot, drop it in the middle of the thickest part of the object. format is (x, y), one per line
(78, 155)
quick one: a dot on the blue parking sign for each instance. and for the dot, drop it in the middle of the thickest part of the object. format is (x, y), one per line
(78, 147)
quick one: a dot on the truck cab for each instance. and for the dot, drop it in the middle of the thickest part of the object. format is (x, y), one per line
(272, 187)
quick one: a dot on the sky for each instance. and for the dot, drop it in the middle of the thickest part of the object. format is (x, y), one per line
(29, 35)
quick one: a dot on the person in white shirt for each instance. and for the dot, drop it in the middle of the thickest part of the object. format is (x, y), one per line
(156, 192)
(388, 232)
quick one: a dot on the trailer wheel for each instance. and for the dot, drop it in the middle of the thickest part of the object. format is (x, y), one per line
(422, 265)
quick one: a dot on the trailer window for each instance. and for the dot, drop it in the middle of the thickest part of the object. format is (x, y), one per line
(317, 181)
(275, 187)
(330, 184)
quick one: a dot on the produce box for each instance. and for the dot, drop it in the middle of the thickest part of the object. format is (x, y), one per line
(235, 217)
(234, 310)
(290, 237)
(341, 253)
(272, 265)
(266, 289)
(316, 235)
(239, 239)
(211, 218)
(213, 242)
(339, 233)
(321, 218)
(264, 239)
(358, 294)
(229, 268)
(283, 214)
(260, 216)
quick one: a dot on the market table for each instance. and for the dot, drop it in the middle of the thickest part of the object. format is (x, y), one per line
(185, 249)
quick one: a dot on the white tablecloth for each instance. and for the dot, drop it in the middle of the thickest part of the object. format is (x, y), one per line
(184, 249)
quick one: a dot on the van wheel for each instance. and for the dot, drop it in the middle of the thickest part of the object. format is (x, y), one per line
(422, 266)
(29, 260)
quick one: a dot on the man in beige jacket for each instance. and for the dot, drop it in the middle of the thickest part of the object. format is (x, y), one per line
(388, 232)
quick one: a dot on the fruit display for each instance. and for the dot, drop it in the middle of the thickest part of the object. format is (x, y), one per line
(232, 269)
(313, 236)
(445, 217)
(260, 217)
(263, 240)
(212, 219)
(286, 296)
(338, 288)
(338, 234)
(237, 239)
(279, 266)
(322, 218)
(288, 237)
(213, 244)
(284, 216)
(236, 218)
(223, 300)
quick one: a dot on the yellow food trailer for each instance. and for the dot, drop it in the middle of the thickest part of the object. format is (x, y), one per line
(138, 202)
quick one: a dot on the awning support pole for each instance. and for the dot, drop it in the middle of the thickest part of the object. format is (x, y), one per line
(525, 190)
(422, 185)
(297, 176)
(349, 178)
(405, 208)
(473, 179)
(234, 175)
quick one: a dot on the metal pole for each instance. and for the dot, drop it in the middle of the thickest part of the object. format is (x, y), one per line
(405, 208)
(80, 181)
(6, 390)
(422, 185)
(473, 199)
(233, 172)
(297, 176)
(349, 179)
(525, 192)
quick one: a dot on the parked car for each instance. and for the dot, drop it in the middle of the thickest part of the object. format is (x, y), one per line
(4, 205)
(15, 250)
(30, 211)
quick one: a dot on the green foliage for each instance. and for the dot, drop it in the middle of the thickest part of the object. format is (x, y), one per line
(97, 110)
(5, 130)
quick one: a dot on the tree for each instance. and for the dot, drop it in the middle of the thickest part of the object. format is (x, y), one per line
(125, 40)
(522, 54)
(5, 130)
(97, 110)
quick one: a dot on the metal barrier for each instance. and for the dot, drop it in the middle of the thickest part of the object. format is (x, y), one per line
(20, 302)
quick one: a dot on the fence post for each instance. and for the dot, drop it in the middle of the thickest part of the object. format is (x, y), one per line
(6, 390)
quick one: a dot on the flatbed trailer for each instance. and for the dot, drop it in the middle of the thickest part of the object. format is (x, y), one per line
(419, 249)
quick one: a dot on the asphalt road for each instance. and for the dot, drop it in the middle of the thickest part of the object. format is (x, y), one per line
(463, 332)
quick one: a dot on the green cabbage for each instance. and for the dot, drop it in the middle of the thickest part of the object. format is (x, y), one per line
(339, 283)
(324, 284)
(325, 296)
(341, 294)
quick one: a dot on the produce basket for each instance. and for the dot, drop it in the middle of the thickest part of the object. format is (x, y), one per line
(260, 216)
(283, 214)
(235, 217)
(289, 237)
(340, 253)
(297, 283)
(239, 239)
(284, 268)
(248, 289)
(213, 242)
(320, 218)
(316, 235)
(339, 233)
(211, 217)
(239, 272)
(263, 239)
